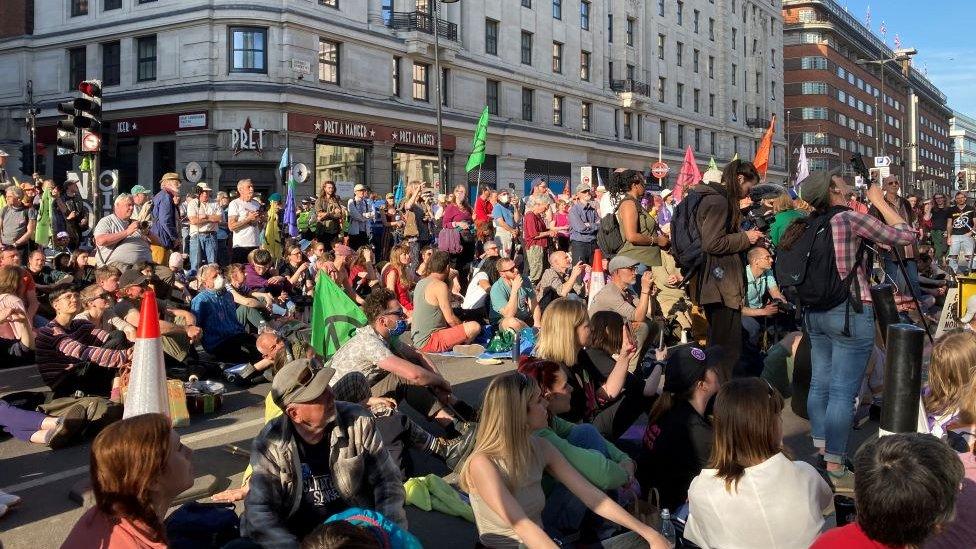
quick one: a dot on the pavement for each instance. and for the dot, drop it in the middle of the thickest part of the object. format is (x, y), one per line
(44, 478)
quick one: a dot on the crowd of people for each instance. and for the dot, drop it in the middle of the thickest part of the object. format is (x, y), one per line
(647, 374)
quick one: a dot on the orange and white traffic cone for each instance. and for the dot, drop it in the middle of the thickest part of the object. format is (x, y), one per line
(147, 393)
(597, 278)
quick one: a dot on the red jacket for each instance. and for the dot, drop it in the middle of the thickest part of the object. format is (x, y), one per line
(533, 225)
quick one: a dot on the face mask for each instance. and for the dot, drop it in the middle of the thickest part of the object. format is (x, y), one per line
(218, 283)
(399, 328)
(503, 199)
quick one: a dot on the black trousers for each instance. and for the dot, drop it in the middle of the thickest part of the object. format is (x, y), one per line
(237, 349)
(725, 331)
(582, 251)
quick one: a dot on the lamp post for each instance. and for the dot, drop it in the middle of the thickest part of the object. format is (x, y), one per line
(440, 100)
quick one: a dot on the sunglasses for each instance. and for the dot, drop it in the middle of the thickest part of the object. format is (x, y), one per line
(508, 270)
(398, 314)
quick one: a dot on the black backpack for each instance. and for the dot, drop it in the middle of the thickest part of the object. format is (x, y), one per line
(610, 238)
(685, 234)
(813, 254)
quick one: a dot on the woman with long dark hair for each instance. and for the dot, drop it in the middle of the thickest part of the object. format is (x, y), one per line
(719, 284)
(643, 238)
(328, 214)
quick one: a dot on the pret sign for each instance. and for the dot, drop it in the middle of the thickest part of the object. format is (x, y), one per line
(660, 170)
(247, 138)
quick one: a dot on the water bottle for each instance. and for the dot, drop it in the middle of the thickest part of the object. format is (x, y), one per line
(516, 346)
(667, 529)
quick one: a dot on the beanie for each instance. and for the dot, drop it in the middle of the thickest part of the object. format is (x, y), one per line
(815, 189)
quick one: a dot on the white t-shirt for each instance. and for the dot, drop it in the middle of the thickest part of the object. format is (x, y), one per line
(778, 503)
(247, 237)
(475, 296)
(606, 205)
(202, 209)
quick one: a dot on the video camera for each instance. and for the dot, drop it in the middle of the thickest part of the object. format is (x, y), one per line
(755, 219)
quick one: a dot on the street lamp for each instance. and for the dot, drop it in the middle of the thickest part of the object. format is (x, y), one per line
(440, 100)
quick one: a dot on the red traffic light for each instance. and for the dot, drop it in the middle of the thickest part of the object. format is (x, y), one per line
(89, 87)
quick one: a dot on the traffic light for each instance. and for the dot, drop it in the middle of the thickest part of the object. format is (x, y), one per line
(89, 106)
(67, 132)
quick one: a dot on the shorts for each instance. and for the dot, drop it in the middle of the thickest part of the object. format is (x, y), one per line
(445, 339)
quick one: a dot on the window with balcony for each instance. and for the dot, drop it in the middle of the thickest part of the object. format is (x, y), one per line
(585, 116)
(79, 8)
(585, 66)
(680, 95)
(660, 46)
(248, 50)
(146, 58)
(491, 37)
(631, 23)
(585, 15)
(111, 63)
(813, 88)
(528, 104)
(557, 9)
(526, 48)
(421, 81)
(679, 53)
(557, 58)
(329, 63)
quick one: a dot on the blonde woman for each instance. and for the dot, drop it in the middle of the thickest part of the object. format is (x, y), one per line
(949, 398)
(598, 396)
(504, 472)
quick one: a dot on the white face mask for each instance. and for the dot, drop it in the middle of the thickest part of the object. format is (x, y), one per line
(218, 283)
(503, 199)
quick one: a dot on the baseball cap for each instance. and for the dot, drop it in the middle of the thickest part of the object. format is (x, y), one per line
(970, 309)
(139, 189)
(583, 188)
(299, 382)
(686, 366)
(203, 187)
(132, 277)
(621, 262)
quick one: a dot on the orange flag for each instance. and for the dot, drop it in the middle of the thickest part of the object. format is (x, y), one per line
(762, 153)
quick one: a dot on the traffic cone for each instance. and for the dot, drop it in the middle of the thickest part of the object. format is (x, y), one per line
(147, 393)
(597, 279)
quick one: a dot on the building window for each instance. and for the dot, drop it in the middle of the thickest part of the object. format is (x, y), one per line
(772, 90)
(661, 84)
(695, 20)
(526, 48)
(77, 67)
(249, 52)
(819, 138)
(628, 127)
(694, 60)
(640, 127)
(585, 115)
(660, 7)
(111, 63)
(711, 142)
(527, 4)
(772, 58)
(79, 7)
(329, 62)
(491, 96)
(711, 29)
(735, 112)
(585, 15)
(420, 82)
(680, 95)
(662, 133)
(733, 37)
(557, 58)
(630, 72)
(660, 46)
(697, 139)
(734, 72)
(681, 12)
(735, 145)
(396, 76)
(711, 67)
(329, 3)
(146, 58)
(814, 88)
(758, 82)
(445, 77)
(679, 52)
(631, 23)
(811, 38)
(557, 110)
(818, 113)
(696, 99)
(711, 104)
(585, 66)
(557, 9)
(528, 104)
(681, 136)
(814, 63)
(109, 5)
(491, 37)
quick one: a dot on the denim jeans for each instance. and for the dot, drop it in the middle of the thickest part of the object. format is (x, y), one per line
(205, 243)
(838, 362)
(893, 271)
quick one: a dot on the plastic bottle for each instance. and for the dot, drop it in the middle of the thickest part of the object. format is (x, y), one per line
(516, 345)
(667, 529)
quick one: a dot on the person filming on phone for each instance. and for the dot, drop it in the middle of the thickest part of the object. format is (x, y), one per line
(562, 279)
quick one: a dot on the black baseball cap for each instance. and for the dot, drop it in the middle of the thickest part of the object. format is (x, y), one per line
(686, 366)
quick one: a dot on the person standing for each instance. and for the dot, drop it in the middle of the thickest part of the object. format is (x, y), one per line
(223, 233)
(245, 221)
(75, 213)
(959, 229)
(937, 215)
(908, 254)
(483, 208)
(360, 212)
(204, 216)
(537, 236)
(584, 223)
(506, 230)
(165, 228)
(18, 220)
(328, 214)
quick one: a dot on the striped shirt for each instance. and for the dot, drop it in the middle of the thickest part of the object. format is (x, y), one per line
(60, 348)
(848, 228)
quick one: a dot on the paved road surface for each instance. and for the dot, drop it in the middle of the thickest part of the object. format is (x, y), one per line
(44, 478)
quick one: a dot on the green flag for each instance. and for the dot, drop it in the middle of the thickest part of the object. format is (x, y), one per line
(42, 234)
(334, 317)
(712, 165)
(478, 145)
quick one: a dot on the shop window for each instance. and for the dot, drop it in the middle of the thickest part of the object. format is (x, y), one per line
(417, 166)
(340, 164)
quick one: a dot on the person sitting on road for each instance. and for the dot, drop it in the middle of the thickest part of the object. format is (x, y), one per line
(562, 279)
(398, 277)
(392, 367)
(223, 336)
(503, 474)
(259, 274)
(513, 301)
(762, 293)
(253, 308)
(70, 353)
(319, 458)
(618, 296)
(905, 491)
(435, 326)
(949, 398)
(138, 467)
(44, 279)
(476, 296)
(27, 291)
(98, 310)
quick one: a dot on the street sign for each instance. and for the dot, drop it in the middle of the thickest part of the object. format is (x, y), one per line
(90, 142)
(659, 170)
(882, 161)
(301, 66)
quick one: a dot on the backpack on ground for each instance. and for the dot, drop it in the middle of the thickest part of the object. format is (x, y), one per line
(685, 234)
(809, 266)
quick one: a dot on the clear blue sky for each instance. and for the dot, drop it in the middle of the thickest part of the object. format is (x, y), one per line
(941, 30)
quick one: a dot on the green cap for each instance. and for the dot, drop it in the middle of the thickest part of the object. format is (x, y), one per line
(139, 189)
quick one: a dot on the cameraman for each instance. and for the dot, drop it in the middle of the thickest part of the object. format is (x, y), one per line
(759, 283)
(718, 286)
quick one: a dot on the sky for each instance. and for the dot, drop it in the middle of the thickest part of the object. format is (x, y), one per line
(942, 32)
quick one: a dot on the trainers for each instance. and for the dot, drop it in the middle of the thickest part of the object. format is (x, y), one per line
(842, 483)
(8, 500)
(71, 423)
(472, 350)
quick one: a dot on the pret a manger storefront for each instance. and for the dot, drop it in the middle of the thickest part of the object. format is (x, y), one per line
(350, 152)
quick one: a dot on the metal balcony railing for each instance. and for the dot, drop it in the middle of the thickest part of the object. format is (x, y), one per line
(630, 85)
(423, 22)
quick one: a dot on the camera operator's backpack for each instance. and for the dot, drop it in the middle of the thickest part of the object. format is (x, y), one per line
(685, 234)
(810, 268)
(609, 238)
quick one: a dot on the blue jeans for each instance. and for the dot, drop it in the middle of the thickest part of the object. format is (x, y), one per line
(838, 362)
(205, 243)
(564, 512)
(893, 271)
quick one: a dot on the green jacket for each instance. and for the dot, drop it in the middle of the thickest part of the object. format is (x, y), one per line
(604, 473)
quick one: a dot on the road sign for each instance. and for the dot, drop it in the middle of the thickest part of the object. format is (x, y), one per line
(882, 161)
(301, 66)
(90, 142)
(659, 170)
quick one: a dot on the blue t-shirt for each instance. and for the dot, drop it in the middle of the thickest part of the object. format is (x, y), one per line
(504, 213)
(383, 528)
(501, 292)
(217, 315)
(757, 288)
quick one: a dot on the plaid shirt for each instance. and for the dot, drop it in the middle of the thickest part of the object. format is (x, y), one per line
(364, 473)
(848, 228)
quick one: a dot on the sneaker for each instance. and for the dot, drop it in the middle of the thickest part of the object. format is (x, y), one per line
(70, 424)
(842, 483)
(8, 500)
(472, 350)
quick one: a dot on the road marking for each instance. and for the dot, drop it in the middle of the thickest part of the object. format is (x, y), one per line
(188, 440)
